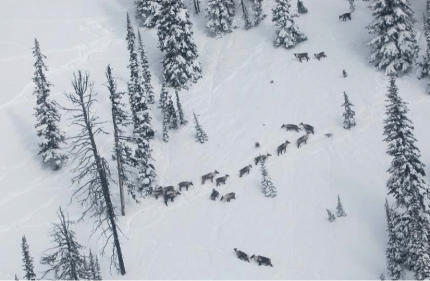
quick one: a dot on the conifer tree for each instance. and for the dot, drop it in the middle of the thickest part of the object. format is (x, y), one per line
(339, 208)
(288, 34)
(16, 278)
(398, 130)
(176, 41)
(407, 184)
(27, 260)
(200, 134)
(64, 258)
(301, 7)
(148, 12)
(349, 114)
(331, 217)
(85, 273)
(245, 15)
(269, 189)
(196, 4)
(142, 130)
(123, 152)
(92, 266)
(48, 117)
(394, 253)
(98, 270)
(173, 118)
(382, 277)
(92, 172)
(395, 47)
(164, 95)
(424, 65)
(351, 6)
(146, 74)
(180, 111)
(165, 124)
(220, 14)
(259, 15)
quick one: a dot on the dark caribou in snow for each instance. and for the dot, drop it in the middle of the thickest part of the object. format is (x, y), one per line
(302, 139)
(308, 128)
(244, 170)
(214, 194)
(228, 196)
(320, 55)
(241, 255)
(261, 158)
(185, 184)
(283, 147)
(209, 176)
(291, 127)
(301, 56)
(262, 260)
(171, 196)
(345, 16)
(221, 180)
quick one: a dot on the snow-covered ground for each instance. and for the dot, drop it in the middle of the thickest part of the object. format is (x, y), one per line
(194, 237)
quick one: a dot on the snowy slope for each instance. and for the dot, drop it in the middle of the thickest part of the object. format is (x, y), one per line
(194, 237)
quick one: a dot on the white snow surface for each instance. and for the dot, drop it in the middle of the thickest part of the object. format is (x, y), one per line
(194, 237)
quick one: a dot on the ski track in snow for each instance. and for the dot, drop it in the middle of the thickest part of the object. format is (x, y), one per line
(194, 235)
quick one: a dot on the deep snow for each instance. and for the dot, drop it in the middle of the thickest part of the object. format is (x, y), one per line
(194, 237)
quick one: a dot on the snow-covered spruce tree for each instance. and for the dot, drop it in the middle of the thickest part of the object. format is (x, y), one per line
(98, 270)
(123, 152)
(301, 7)
(288, 34)
(257, 7)
(331, 217)
(220, 15)
(394, 253)
(382, 277)
(146, 74)
(340, 212)
(91, 172)
(64, 258)
(165, 124)
(351, 6)
(85, 272)
(407, 184)
(349, 114)
(164, 95)
(180, 111)
(95, 273)
(196, 4)
(200, 134)
(148, 12)
(269, 189)
(16, 278)
(47, 115)
(27, 261)
(395, 47)
(175, 37)
(142, 130)
(173, 117)
(424, 64)
(245, 15)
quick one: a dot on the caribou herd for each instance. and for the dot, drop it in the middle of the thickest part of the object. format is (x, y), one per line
(169, 192)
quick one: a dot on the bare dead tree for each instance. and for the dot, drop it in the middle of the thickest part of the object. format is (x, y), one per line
(64, 258)
(91, 171)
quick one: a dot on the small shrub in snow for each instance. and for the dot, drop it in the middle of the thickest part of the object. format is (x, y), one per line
(339, 209)
(301, 7)
(200, 134)
(349, 114)
(331, 217)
